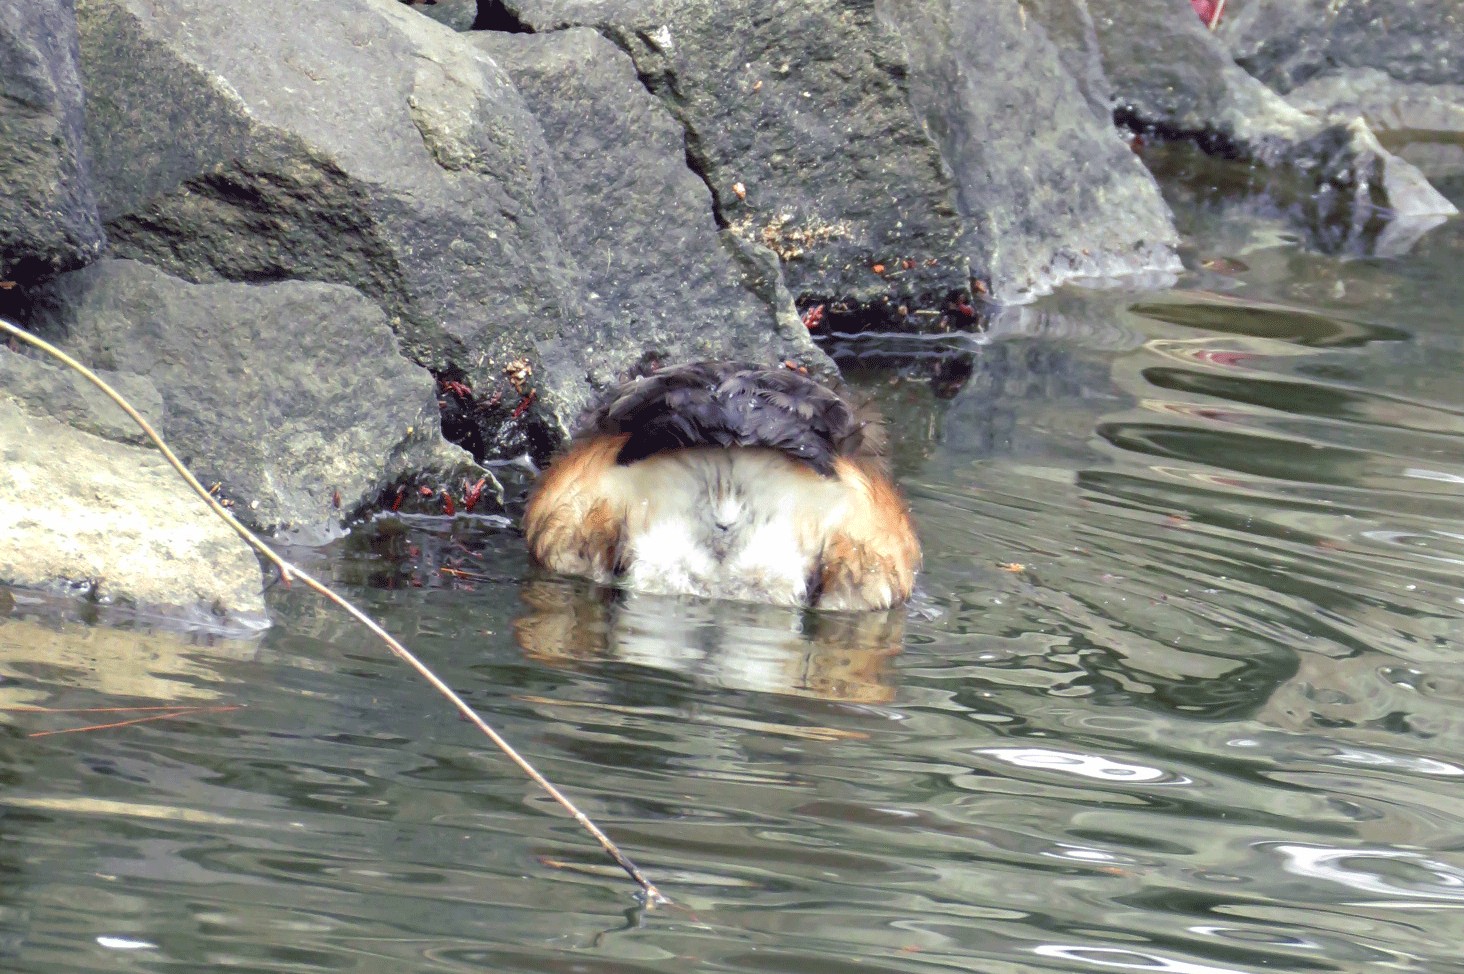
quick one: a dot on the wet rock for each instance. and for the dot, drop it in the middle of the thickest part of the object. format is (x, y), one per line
(1397, 63)
(48, 217)
(373, 149)
(1422, 123)
(1231, 208)
(115, 524)
(290, 395)
(1048, 190)
(797, 117)
(1069, 25)
(1171, 75)
(666, 282)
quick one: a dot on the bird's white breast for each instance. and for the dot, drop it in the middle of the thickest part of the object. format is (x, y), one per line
(743, 523)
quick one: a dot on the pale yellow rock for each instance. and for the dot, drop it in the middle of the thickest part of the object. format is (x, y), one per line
(75, 507)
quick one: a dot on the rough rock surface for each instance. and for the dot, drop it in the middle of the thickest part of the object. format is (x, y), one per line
(1286, 43)
(1424, 124)
(371, 148)
(1069, 24)
(287, 394)
(82, 514)
(48, 218)
(631, 203)
(804, 104)
(1048, 189)
(799, 117)
(1195, 90)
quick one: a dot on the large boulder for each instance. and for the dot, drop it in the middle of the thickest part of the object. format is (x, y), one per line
(661, 275)
(80, 514)
(48, 217)
(359, 143)
(869, 144)
(291, 396)
(1047, 189)
(1171, 75)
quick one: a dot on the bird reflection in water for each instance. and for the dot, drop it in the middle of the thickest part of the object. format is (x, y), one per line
(838, 656)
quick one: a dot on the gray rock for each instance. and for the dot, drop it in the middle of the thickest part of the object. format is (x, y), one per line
(1387, 105)
(799, 117)
(84, 515)
(664, 280)
(1229, 209)
(1171, 74)
(1397, 63)
(45, 389)
(1048, 190)
(287, 394)
(1287, 43)
(361, 144)
(1069, 25)
(48, 217)
(1423, 123)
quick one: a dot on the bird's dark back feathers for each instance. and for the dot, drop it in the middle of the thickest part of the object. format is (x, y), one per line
(726, 404)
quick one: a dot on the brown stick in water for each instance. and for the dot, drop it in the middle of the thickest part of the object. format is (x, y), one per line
(289, 571)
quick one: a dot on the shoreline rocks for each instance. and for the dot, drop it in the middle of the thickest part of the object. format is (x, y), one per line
(48, 221)
(324, 224)
(291, 396)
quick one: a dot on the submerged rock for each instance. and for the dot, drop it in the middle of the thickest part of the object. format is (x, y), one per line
(1423, 124)
(48, 217)
(868, 144)
(292, 396)
(1170, 74)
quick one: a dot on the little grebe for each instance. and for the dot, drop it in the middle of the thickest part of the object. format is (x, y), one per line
(728, 480)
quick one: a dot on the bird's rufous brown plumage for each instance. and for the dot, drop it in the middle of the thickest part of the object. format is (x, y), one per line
(728, 480)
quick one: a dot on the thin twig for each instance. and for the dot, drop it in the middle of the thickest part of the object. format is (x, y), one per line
(288, 571)
(175, 712)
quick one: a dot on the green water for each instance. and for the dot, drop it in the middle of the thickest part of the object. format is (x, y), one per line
(1183, 691)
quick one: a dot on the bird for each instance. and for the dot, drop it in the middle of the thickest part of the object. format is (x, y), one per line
(728, 480)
